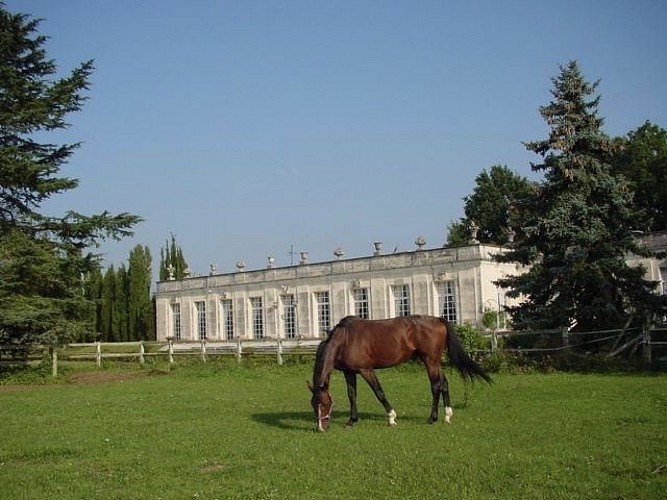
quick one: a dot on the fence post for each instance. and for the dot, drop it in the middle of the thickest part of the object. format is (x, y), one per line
(98, 353)
(646, 348)
(54, 361)
(280, 351)
(171, 352)
(203, 350)
(141, 352)
(494, 340)
(566, 338)
(239, 350)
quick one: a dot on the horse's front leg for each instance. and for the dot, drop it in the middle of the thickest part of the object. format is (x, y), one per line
(371, 378)
(351, 380)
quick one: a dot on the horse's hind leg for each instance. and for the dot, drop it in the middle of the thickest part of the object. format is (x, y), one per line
(371, 378)
(436, 378)
(445, 399)
(439, 386)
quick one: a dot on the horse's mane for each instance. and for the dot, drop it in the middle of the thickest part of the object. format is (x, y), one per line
(319, 361)
(323, 361)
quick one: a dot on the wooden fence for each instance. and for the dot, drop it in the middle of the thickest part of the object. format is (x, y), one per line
(612, 343)
(616, 342)
(141, 351)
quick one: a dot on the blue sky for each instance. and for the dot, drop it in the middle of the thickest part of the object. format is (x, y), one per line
(245, 127)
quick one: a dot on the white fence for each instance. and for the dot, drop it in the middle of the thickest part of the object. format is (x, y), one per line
(650, 342)
(99, 351)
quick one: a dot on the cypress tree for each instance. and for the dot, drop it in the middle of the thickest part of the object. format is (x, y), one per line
(93, 286)
(107, 306)
(140, 323)
(120, 318)
(171, 257)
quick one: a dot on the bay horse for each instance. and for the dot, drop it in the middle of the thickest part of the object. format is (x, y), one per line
(360, 346)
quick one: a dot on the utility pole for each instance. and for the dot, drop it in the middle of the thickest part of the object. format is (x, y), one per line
(291, 254)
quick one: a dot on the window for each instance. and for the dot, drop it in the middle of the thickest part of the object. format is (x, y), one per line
(257, 315)
(323, 312)
(227, 321)
(401, 299)
(447, 300)
(289, 315)
(176, 321)
(201, 319)
(360, 297)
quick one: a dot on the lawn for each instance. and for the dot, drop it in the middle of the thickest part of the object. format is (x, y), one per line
(227, 431)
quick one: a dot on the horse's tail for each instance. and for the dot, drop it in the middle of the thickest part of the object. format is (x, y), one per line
(461, 360)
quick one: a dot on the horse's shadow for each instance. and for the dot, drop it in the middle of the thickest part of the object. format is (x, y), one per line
(288, 420)
(305, 420)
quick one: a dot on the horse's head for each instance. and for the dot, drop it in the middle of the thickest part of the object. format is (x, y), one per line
(322, 404)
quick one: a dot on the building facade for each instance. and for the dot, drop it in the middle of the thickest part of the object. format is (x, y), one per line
(306, 300)
(656, 267)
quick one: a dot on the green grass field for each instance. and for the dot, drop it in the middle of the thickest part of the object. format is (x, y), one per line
(223, 431)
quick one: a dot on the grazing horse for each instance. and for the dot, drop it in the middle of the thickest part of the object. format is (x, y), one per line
(357, 345)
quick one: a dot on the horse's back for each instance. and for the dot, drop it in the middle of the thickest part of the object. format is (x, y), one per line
(388, 342)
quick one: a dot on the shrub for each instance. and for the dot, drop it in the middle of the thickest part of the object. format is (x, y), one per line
(471, 338)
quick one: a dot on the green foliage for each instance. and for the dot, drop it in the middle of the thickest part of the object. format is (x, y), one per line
(42, 258)
(488, 209)
(458, 233)
(471, 338)
(642, 160)
(494, 320)
(124, 307)
(40, 291)
(141, 325)
(578, 225)
(172, 261)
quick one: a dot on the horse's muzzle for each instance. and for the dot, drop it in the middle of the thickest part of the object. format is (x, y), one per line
(323, 420)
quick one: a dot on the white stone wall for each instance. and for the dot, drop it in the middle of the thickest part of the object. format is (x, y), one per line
(471, 268)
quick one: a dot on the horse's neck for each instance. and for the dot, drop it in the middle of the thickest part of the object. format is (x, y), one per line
(326, 364)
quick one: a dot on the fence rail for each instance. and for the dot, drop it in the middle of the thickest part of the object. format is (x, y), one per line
(621, 341)
(99, 351)
(611, 342)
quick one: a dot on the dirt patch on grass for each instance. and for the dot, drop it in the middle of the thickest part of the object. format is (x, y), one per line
(85, 378)
(104, 377)
(212, 468)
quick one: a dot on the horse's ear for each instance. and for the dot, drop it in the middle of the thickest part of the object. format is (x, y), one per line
(310, 386)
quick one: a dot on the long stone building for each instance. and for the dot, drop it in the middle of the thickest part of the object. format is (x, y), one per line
(307, 299)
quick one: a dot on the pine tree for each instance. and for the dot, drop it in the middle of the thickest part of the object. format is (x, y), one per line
(42, 258)
(577, 225)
